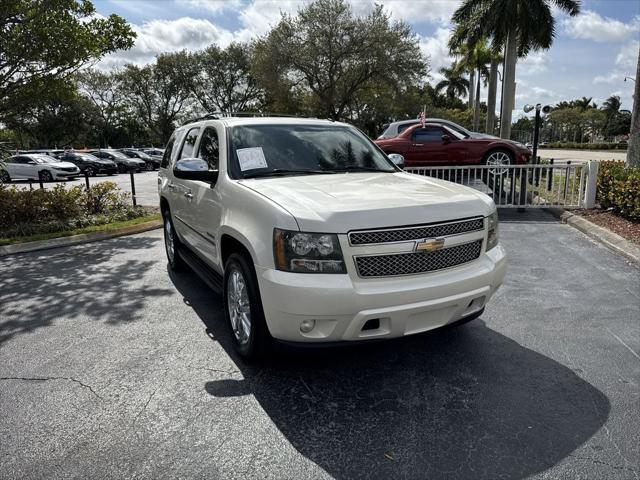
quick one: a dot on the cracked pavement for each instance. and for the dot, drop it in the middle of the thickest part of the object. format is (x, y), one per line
(112, 368)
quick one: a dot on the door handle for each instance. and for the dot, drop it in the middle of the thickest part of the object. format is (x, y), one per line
(188, 195)
(171, 186)
(418, 144)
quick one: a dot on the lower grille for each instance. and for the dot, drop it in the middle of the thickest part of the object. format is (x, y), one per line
(67, 169)
(412, 263)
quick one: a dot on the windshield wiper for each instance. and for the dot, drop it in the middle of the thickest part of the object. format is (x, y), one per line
(358, 168)
(284, 171)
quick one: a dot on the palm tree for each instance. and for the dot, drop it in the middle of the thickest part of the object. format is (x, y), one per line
(454, 83)
(583, 103)
(611, 105)
(518, 27)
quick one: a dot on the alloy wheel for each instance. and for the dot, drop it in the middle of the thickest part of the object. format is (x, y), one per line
(498, 161)
(169, 242)
(238, 306)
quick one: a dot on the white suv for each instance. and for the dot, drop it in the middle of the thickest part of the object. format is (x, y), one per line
(313, 234)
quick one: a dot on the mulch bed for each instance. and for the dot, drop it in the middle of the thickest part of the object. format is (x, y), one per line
(623, 227)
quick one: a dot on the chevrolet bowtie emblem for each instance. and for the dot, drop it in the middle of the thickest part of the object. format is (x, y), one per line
(429, 244)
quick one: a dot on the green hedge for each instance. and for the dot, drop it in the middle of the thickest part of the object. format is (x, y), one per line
(29, 212)
(619, 189)
(587, 146)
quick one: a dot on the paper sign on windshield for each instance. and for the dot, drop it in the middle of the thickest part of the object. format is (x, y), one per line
(251, 158)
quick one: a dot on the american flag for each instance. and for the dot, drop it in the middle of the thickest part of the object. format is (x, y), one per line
(422, 118)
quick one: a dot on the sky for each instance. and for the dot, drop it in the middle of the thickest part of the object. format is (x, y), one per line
(591, 54)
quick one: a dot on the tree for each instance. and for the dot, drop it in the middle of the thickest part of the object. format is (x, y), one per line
(44, 40)
(633, 153)
(159, 93)
(476, 58)
(454, 84)
(224, 80)
(515, 26)
(330, 56)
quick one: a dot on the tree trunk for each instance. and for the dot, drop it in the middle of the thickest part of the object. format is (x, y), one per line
(476, 105)
(510, 58)
(472, 81)
(491, 97)
(633, 153)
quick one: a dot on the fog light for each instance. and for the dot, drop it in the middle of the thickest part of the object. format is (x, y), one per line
(307, 325)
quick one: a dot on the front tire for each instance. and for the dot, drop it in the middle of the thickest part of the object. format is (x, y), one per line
(243, 308)
(149, 167)
(5, 177)
(121, 168)
(90, 171)
(46, 176)
(172, 244)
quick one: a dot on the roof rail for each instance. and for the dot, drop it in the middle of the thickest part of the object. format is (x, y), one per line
(220, 114)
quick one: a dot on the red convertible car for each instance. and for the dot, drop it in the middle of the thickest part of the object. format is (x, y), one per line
(435, 144)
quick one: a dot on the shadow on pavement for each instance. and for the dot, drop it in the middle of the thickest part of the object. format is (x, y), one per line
(458, 403)
(68, 283)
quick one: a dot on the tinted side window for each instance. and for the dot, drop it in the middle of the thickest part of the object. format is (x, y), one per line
(189, 143)
(167, 152)
(427, 134)
(209, 148)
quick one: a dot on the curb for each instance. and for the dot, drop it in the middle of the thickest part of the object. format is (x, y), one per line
(612, 241)
(77, 239)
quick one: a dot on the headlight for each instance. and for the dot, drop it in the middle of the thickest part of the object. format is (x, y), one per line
(492, 232)
(307, 252)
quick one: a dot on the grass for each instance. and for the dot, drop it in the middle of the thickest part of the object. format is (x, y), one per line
(78, 231)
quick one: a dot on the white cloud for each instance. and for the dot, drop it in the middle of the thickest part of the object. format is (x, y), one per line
(536, 62)
(210, 6)
(434, 11)
(159, 36)
(628, 55)
(612, 78)
(436, 48)
(261, 15)
(590, 25)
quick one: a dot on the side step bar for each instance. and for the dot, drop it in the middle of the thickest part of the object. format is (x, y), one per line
(212, 278)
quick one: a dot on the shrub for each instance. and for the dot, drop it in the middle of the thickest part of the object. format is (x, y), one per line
(27, 212)
(619, 189)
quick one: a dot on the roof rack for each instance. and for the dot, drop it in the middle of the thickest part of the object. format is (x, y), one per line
(218, 115)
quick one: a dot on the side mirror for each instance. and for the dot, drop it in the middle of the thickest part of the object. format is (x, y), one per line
(194, 169)
(397, 159)
(446, 139)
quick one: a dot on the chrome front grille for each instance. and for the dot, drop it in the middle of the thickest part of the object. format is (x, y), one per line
(416, 233)
(417, 262)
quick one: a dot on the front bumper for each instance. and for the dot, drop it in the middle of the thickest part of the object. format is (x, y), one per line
(59, 174)
(398, 306)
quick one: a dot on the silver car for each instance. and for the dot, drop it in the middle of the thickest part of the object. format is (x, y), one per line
(37, 166)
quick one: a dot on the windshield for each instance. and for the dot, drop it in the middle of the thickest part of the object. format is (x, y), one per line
(458, 129)
(43, 159)
(261, 150)
(88, 156)
(118, 154)
(143, 156)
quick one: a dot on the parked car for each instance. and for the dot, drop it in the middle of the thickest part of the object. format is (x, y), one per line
(396, 128)
(4, 175)
(437, 144)
(89, 164)
(150, 162)
(124, 163)
(37, 166)
(313, 235)
(159, 152)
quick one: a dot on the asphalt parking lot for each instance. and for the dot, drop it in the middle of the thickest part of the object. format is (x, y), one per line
(110, 367)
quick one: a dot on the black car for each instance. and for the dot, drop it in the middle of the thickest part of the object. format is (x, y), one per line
(89, 164)
(124, 163)
(150, 162)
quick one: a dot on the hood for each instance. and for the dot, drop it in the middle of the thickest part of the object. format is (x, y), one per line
(483, 135)
(63, 165)
(343, 202)
(136, 161)
(103, 161)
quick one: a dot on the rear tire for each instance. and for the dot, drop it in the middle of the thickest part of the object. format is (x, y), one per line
(243, 308)
(498, 159)
(172, 243)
